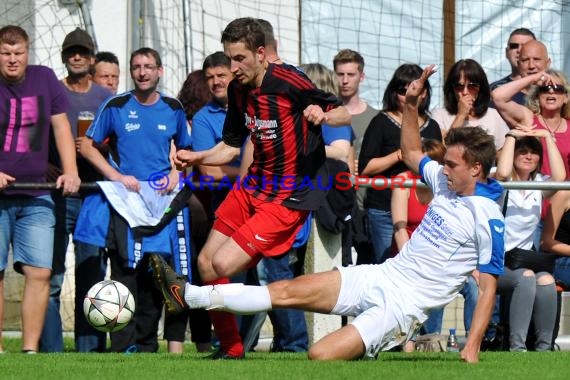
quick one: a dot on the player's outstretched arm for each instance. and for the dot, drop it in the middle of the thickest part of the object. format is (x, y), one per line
(481, 317)
(335, 117)
(338, 117)
(410, 142)
(220, 154)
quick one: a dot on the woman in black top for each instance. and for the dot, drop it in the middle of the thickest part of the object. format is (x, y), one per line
(380, 154)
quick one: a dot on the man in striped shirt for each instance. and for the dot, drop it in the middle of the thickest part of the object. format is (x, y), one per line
(281, 110)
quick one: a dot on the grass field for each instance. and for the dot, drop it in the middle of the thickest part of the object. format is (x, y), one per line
(275, 366)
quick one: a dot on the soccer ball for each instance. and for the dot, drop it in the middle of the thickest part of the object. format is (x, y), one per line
(109, 306)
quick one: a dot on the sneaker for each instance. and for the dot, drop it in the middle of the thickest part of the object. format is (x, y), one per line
(223, 355)
(169, 283)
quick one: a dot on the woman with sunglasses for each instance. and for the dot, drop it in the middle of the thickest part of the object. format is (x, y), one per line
(547, 108)
(380, 154)
(466, 102)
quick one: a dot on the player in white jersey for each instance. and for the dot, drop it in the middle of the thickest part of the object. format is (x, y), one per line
(461, 231)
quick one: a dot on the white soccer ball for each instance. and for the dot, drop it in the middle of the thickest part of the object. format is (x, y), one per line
(109, 306)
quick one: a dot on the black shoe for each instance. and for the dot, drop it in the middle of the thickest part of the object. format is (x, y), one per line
(169, 283)
(223, 355)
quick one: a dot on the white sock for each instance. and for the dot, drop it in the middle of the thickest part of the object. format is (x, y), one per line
(237, 298)
(197, 297)
(245, 299)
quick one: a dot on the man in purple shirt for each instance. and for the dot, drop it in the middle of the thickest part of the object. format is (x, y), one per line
(32, 99)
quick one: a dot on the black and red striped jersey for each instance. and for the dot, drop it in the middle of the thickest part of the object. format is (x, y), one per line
(289, 152)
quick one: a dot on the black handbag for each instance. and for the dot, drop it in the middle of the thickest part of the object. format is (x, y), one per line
(518, 258)
(526, 258)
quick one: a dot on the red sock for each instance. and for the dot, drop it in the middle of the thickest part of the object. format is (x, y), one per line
(225, 326)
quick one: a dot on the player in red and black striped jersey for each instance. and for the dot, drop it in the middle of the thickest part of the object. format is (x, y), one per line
(281, 110)
(288, 149)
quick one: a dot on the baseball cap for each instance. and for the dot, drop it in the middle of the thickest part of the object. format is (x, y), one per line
(78, 37)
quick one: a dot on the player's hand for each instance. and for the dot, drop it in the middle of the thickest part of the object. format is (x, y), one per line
(5, 180)
(470, 356)
(314, 114)
(416, 87)
(69, 183)
(185, 158)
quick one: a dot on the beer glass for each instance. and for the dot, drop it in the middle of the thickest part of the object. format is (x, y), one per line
(84, 120)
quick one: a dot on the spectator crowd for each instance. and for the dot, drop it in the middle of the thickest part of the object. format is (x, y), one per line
(234, 236)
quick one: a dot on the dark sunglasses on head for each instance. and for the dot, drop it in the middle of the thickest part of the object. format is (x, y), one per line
(471, 86)
(401, 91)
(557, 89)
(514, 45)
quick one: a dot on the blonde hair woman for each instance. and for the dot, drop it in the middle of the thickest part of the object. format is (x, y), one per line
(547, 108)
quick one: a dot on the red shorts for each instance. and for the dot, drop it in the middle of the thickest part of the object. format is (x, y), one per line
(259, 228)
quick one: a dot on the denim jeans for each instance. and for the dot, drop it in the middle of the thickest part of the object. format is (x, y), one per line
(89, 269)
(470, 293)
(432, 325)
(380, 232)
(289, 325)
(27, 223)
(562, 270)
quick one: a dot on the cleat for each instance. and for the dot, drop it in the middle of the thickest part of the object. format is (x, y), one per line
(223, 355)
(169, 283)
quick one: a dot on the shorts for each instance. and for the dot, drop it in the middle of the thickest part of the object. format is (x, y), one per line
(175, 326)
(258, 227)
(384, 319)
(28, 224)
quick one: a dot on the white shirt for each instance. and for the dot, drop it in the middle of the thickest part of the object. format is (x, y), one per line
(457, 235)
(524, 208)
(491, 122)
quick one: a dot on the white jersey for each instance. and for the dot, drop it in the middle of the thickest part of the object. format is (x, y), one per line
(457, 235)
(390, 301)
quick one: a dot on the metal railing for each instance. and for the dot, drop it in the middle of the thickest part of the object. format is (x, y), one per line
(378, 183)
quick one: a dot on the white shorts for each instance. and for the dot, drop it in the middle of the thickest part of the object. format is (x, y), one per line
(384, 316)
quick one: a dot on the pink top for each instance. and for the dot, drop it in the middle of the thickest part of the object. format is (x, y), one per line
(563, 144)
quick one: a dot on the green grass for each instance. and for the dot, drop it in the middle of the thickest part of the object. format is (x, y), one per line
(275, 366)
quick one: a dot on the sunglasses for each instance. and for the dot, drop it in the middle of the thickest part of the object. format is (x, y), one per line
(557, 89)
(401, 91)
(471, 86)
(514, 45)
(73, 50)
